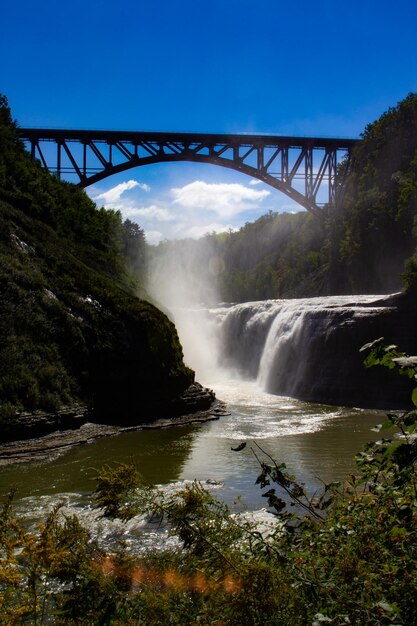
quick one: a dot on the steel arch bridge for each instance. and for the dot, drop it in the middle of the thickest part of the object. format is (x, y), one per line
(303, 168)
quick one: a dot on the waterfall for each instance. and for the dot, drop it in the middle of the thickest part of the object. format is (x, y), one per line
(305, 348)
(284, 351)
(243, 331)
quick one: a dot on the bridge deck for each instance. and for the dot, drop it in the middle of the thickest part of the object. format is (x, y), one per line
(304, 168)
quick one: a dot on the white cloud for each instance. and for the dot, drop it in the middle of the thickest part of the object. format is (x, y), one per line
(255, 181)
(191, 211)
(225, 199)
(153, 237)
(117, 199)
(152, 212)
(115, 193)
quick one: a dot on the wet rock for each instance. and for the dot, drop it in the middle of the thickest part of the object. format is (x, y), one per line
(195, 398)
(328, 366)
(48, 446)
(28, 425)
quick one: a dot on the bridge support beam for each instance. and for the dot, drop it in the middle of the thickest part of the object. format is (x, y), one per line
(304, 168)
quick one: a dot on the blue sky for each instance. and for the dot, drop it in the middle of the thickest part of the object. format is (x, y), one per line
(294, 68)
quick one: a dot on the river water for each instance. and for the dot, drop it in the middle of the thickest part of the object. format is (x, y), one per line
(317, 442)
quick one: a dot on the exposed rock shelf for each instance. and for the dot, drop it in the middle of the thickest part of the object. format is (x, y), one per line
(27, 425)
(46, 446)
(196, 403)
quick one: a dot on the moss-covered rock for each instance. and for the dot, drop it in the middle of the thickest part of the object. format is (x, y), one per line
(72, 330)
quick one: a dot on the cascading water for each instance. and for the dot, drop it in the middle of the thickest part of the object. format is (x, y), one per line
(284, 347)
(306, 348)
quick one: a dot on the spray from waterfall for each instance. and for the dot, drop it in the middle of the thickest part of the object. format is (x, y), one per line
(287, 346)
(182, 278)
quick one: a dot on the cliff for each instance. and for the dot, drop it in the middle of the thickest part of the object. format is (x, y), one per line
(310, 348)
(72, 331)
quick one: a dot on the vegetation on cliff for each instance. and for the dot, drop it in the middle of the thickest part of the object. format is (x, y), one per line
(295, 255)
(71, 328)
(379, 210)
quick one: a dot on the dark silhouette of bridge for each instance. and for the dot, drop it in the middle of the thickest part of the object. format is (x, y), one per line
(304, 168)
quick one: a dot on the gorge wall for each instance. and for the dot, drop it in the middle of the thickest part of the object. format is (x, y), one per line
(310, 348)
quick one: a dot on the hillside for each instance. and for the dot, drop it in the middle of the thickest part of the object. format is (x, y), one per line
(72, 332)
(375, 229)
(360, 247)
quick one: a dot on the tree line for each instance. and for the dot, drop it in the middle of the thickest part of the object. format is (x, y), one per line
(366, 244)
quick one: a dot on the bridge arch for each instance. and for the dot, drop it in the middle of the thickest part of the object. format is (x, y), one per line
(302, 168)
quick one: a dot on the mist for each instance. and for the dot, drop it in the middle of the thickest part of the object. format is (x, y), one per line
(183, 280)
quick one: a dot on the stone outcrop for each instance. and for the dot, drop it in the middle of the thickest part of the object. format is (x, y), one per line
(45, 447)
(196, 403)
(310, 348)
(28, 425)
(194, 398)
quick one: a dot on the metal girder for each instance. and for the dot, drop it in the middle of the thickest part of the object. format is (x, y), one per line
(304, 168)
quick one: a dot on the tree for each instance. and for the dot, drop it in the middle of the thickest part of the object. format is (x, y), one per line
(134, 246)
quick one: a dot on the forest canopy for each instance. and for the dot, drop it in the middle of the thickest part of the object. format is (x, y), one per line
(361, 246)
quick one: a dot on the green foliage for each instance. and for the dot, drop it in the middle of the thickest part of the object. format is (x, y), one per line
(380, 204)
(345, 556)
(390, 357)
(72, 330)
(134, 247)
(115, 491)
(296, 255)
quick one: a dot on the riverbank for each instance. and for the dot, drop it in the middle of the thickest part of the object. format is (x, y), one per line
(44, 447)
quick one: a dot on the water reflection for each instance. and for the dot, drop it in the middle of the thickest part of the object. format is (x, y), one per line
(316, 442)
(158, 454)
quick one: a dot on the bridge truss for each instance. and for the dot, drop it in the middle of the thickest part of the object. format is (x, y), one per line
(304, 168)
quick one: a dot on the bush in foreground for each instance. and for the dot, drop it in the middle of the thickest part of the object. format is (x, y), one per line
(345, 557)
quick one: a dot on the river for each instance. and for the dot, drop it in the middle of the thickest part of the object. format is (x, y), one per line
(317, 442)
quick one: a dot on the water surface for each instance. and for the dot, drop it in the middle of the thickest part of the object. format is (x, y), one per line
(317, 442)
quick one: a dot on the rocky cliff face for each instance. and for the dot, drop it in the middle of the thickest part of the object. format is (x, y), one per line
(72, 331)
(331, 368)
(70, 337)
(310, 348)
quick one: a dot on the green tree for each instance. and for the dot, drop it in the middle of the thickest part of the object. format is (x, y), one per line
(134, 246)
